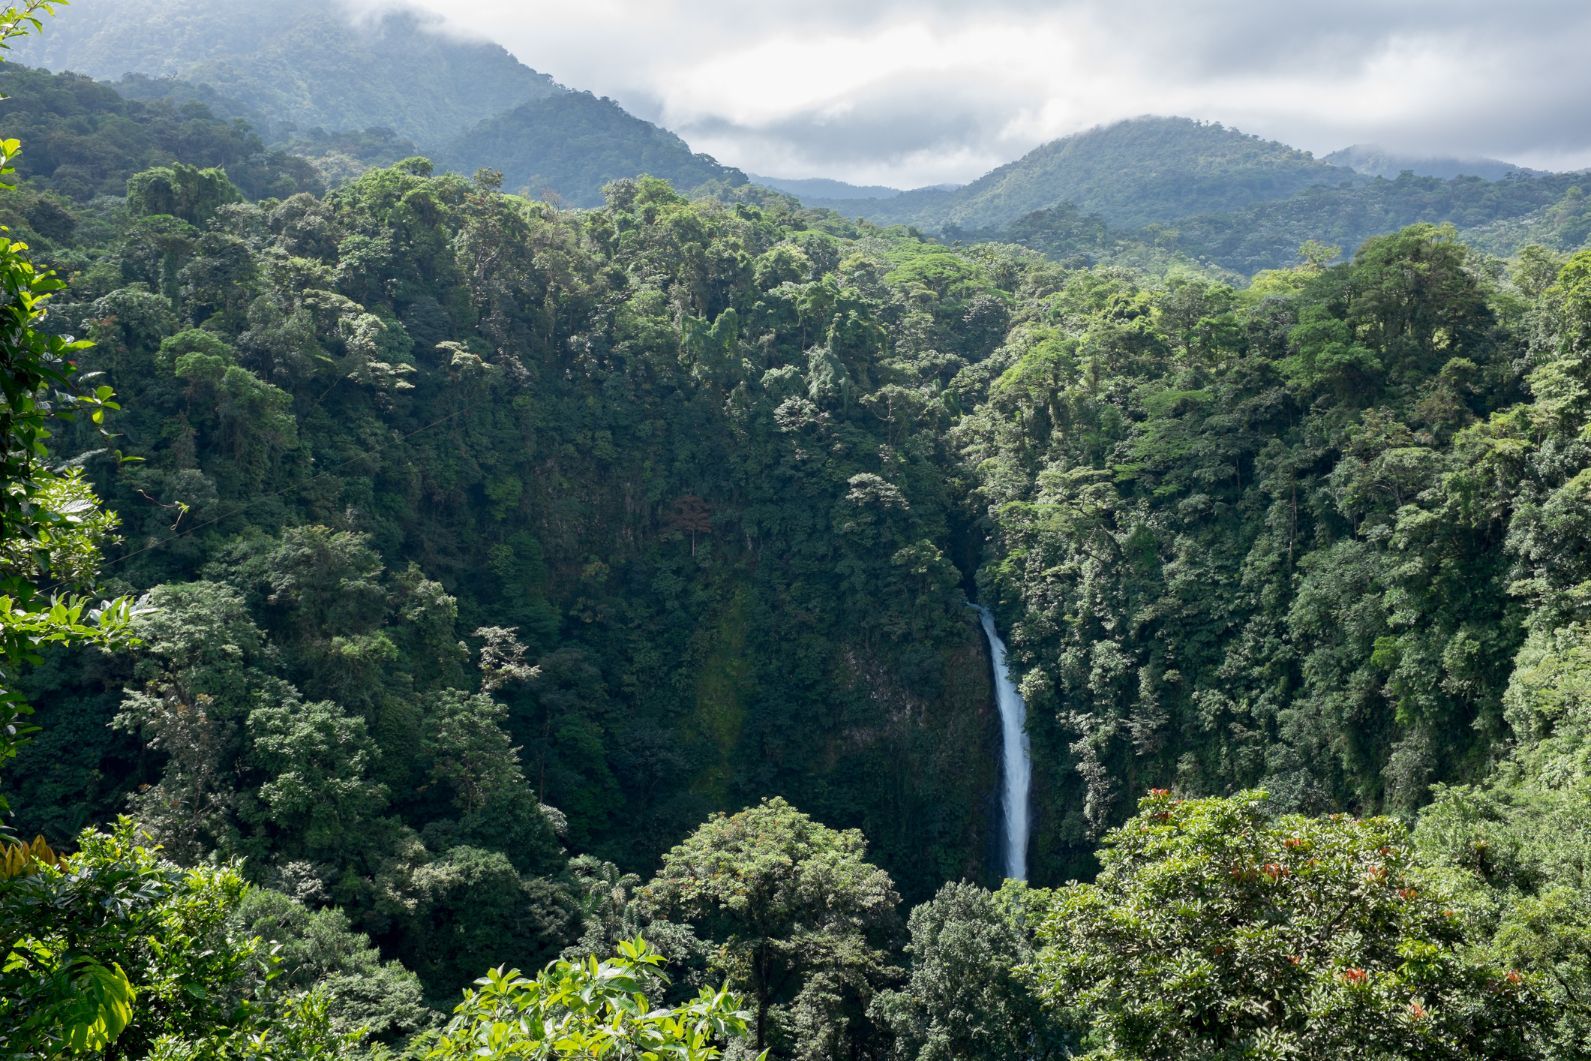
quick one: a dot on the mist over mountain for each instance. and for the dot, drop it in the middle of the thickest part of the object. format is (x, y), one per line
(350, 93)
(297, 64)
(1373, 160)
(363, 91)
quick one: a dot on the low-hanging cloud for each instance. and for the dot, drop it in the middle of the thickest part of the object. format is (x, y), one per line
(928, 91)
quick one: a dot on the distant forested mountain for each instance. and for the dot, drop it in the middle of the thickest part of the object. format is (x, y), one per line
(823, 188)
(1373, 160)
(569, 145)
(1154, 190)
(296, 64)
(1130, 174)
(349, 95)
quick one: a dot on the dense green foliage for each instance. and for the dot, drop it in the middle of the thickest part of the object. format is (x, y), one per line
(1217, 931)
(966, 997)
(84, 139)
(586, 1010)
(52, 528)
(1268, 234)
(665, 543)
(697, 457)
(132, 956)
(490, 558)
(1312, 447)
(307, 703)
(1564, 224)
(795, 917)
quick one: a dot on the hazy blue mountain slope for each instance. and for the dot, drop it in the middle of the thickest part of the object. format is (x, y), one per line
(1149, 169)
(296, 63)
(821, 188)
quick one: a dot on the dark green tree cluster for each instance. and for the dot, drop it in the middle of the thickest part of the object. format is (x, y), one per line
(85, 139)
(1216, 930)
(1261, 536)
(690, 454)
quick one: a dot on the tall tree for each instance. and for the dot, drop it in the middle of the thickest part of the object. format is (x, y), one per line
(1217, 931)
(802, 922)
(966, 998)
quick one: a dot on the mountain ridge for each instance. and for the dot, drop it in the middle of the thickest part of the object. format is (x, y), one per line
(573, 144)
(290, 62)
(1158, 185)
(825, 188)
(1130, 173)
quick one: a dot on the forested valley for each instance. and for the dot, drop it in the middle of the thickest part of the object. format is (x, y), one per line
(436, 623)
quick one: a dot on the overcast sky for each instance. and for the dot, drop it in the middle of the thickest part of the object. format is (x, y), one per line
(913, 93)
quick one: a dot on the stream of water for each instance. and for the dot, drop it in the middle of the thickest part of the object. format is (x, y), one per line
(1016, 760)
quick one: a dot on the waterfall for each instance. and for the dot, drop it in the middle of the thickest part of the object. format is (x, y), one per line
(1016, 761)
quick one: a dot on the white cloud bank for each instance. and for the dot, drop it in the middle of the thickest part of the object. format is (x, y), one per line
(942, 90)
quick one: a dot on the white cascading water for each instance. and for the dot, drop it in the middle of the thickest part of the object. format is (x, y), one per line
(1016, 758)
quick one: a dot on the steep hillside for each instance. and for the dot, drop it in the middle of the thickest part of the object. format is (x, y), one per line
(571, 144)
(296, 63)
(82, 138)
(1269, 234)
(1562, 225)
